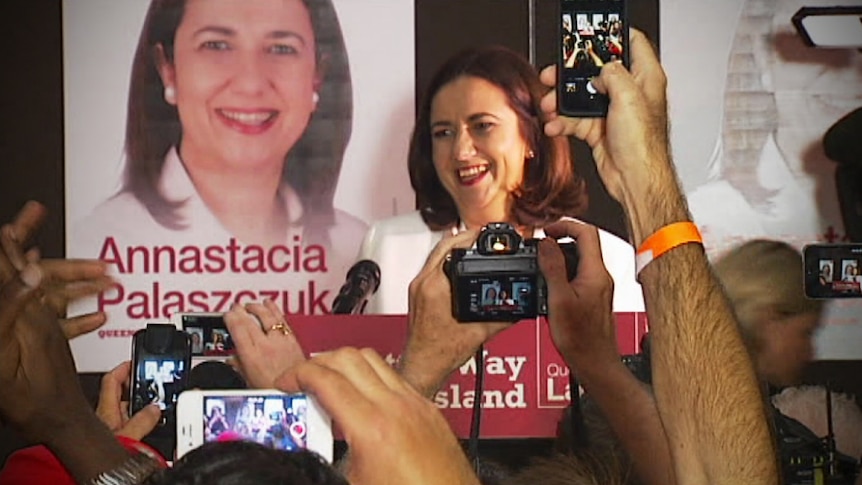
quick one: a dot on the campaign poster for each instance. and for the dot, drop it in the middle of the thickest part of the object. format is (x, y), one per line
(221, 151)
(750, 104)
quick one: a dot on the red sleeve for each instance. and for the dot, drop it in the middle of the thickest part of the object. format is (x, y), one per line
(37, 465)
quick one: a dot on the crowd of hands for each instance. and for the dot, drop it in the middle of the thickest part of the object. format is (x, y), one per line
(393, 431)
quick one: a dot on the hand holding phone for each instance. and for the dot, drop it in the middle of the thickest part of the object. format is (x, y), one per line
(411, 441)
(161, 358)
(592, 34)
(111, 411)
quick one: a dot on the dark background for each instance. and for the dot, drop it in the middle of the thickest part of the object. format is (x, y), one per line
(31, 129)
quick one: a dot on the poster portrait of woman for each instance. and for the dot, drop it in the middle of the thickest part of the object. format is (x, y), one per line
(238, 117)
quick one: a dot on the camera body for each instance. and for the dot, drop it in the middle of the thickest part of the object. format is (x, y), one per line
(498, 280)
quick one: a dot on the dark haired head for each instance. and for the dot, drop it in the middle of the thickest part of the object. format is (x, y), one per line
(153, 126)
(550, 188)
(243, 462)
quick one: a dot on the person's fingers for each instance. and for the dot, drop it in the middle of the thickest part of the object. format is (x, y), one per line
(463, 239)
(342, 400)
(14, 296)
(354, 365)
(553, 264)
(243, 328)
(235, 362)
(267, 317)
(111, 395)
(548, 75)
(548, 103)
(70, 270)
(78, 289)
(12, 251)
(385, 372)
(142, 423)
(82, 324)
(618, 83)
(33, 255)
(588, 244)
(275, 310)
(28, 220)
(649, 74)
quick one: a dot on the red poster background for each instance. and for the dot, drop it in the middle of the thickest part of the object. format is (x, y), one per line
(526, 403)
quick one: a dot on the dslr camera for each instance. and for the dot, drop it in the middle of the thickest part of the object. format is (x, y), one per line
(498, 279)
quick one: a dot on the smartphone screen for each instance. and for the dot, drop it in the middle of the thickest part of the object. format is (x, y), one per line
(833, 270)
(159, 374)
(277, 421)
(208, 334)
(592, 34)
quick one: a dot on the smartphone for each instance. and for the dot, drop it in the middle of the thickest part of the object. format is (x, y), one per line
(161, 358)
(833, 270)
(207, 332)
(592, 34)
(269, 417)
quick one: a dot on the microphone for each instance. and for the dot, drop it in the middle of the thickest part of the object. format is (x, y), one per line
(363, 279)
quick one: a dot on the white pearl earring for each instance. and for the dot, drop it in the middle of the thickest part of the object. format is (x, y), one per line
(170, 94)
(315, 98)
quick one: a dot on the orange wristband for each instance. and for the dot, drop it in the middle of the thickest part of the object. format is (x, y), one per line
(665, 239)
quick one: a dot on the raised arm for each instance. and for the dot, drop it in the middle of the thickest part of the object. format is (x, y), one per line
(584, 331)
(706, 390)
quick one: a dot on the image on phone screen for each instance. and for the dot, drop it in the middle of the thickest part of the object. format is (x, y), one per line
(275, 421)
(159, 380)
(833, 270)
(208, 334)
(592, 34)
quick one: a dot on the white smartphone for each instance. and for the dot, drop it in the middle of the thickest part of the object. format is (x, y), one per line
(208, 334)
(269, 417)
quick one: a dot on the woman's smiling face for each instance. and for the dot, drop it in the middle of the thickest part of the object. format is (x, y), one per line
(244, 76)
(477, 146)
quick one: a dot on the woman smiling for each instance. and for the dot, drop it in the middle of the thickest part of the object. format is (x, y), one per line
(479, 154)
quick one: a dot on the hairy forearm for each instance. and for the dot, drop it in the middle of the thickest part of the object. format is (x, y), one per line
(425, 368)
(631, 411)
(705, 386)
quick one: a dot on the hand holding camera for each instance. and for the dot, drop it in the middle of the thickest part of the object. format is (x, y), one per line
(580, 310)
(436, 343)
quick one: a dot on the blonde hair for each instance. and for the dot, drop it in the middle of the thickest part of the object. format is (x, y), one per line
(764, 276)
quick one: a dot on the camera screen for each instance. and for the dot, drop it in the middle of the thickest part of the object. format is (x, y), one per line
(208, 334)
(502, 297)
(276, 421)
(593, 34)
(833, 271)
(160, 379)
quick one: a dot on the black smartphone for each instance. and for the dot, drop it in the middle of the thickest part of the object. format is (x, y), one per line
(833, 270)
(592, 34)
(161, 358)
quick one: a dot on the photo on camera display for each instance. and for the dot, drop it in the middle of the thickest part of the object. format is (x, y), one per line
(833, 270)
(592, 34)
(503, 297)
(277, 421)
